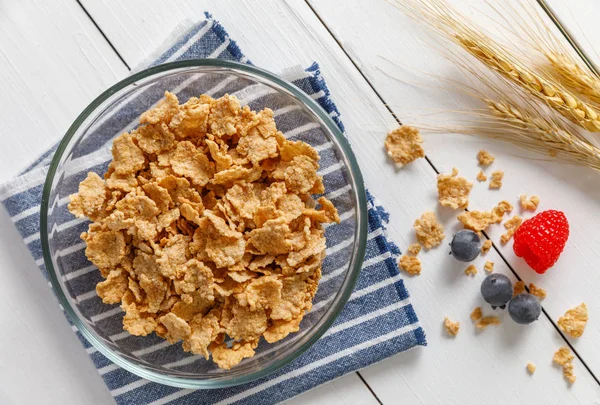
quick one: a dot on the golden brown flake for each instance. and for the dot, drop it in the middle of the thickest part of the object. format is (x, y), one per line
(485, 158)
(486, 246)
(476, 314)
(488, 266)
(531, 368)
(574, 320)
(537, 291)
(428, 230)
(410, 264)
(479, 220)
(471, 270)
(511, 226)
(404, 145)
(205, 229)
(518, 288)
(487, 321)
(568, 373)
(563, 356)
(451, 326)
(481, 176)
(496, 180)
(414, 248)
(453, 191)
(530, 204)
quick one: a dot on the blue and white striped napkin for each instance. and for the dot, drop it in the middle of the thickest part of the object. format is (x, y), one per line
(377, 322)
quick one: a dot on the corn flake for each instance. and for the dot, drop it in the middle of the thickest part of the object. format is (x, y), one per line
(429, 231)
(574, 320)
(404, 145)
(453, 191)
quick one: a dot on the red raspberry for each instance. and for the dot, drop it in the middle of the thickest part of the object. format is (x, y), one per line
(540, 240)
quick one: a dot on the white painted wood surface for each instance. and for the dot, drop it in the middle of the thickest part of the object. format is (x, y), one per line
(54, 61)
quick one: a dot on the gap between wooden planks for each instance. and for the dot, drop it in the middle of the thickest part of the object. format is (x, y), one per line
(306, 28)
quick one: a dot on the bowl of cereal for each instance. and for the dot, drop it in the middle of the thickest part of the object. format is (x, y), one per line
(203, 223)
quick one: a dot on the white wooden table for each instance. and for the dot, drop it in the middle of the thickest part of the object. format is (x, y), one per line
(56, 56)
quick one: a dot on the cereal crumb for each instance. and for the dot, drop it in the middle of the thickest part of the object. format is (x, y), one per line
(537, 291)
(489, 266)
(481, 176)
(511, 226)
(453, 191)
(568, 373)
(429, 231)
(471, 270)
(530, 204)
(410, 264)
(519, 288)
(574, 320)
(563, 356)
(476, 314)
(496, 180)
(486, 246)
(451, 326)
(485, 158)
(531, 368)
(403, 145)
(414, 248)
(479, 220)
(487, 321)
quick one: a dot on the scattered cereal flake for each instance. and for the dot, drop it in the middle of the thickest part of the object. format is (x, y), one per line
(481, 176)
(403, 145)
(112, 289)
(476, 314)
(428, 230)
(177, 328)
(191, 119)
(471, 270)
(511, 226)
(192, 163)
(453, 191)
(105, 249)
(531, 368)
(496, 180)
(127, 156)
(574, 320)
(479, 220)
(410, 264)
(519, 288)
(563, 356)
(489, 266)
(89, 200)
(228, 357)
(568, 373)
(414, 248)
(485, 158)
(486, 246)
(487, 321)
(537, 291)
(451, 326)
(530, 204)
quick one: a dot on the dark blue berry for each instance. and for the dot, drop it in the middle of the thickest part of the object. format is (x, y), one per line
(497, 290)
(524, 308)
(465, 245)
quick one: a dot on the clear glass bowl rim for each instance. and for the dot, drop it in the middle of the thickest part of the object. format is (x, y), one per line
(358, 249)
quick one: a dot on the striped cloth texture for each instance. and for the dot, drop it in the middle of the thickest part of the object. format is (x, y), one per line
(377, 322)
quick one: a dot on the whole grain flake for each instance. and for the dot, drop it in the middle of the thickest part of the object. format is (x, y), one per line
(414, 248)
(530, 203)
(453, 191)
(204, 227)
(496, 180)
(479, 220)
(471, 270)
(410, 264)
(428, 230)
(531, 368)
(488, 266)
(518, 288)
(452, 327)
(511, 226)
(537, 291)
(486, 321)
(476, 314)
(573, 322)
(481, 176)
(485, 158)
(485, 247)
(404, 145)
(564, 358)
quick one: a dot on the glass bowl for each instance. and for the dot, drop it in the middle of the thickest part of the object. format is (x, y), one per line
(86, 147)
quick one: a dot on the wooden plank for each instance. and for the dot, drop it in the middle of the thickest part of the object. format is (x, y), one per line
(278, 34)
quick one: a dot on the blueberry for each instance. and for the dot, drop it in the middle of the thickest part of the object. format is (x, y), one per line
(524, 308)
(465, 245)
(497, 290)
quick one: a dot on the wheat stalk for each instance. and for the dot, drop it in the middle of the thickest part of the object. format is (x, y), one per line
(574, 75)
(457, 28)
